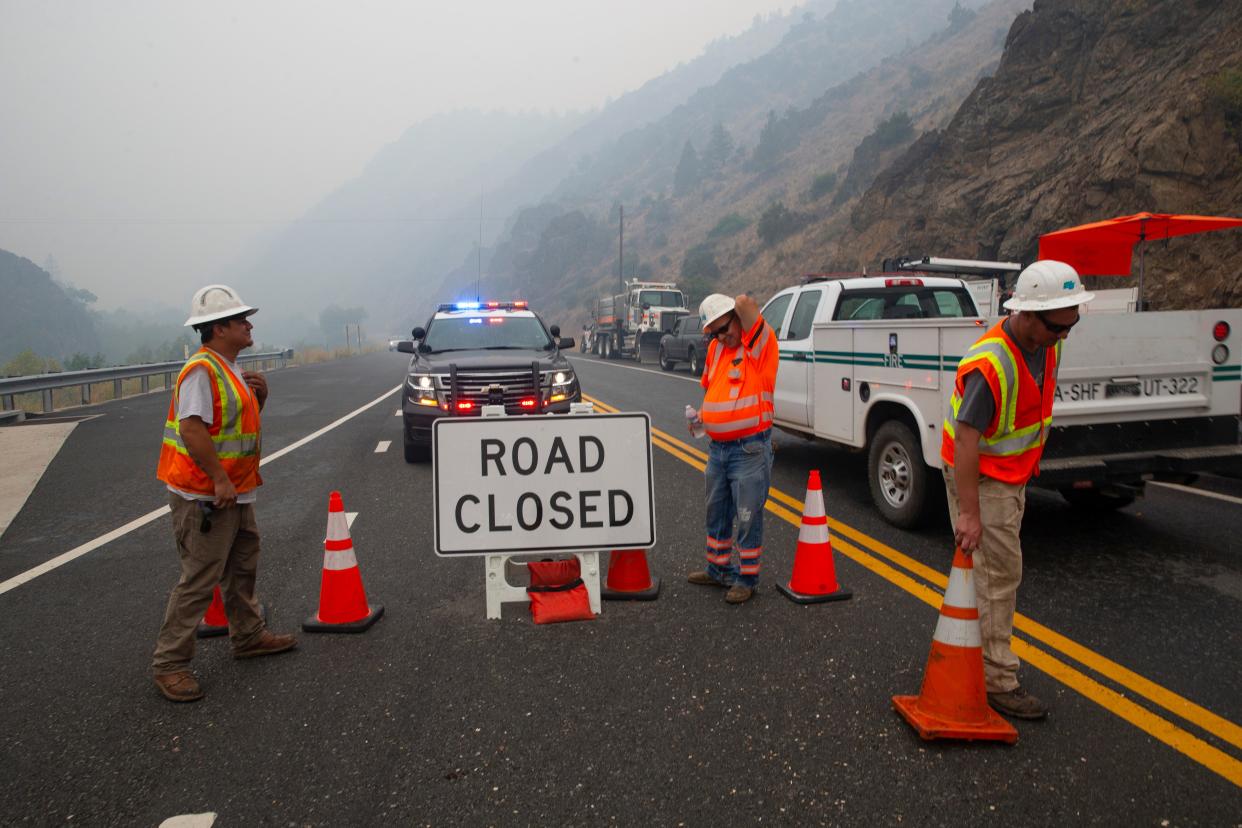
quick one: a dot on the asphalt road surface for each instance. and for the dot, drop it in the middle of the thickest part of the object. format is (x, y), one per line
(684, 710)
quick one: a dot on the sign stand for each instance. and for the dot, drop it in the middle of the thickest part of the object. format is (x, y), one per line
(499, 590)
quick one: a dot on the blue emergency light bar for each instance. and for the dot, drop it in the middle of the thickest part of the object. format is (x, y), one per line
(519, 304)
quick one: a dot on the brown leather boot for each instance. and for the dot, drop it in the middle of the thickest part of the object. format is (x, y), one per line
(701, 578)
(268, 643)
(179, 687)
(739, 594)
(1018, 703)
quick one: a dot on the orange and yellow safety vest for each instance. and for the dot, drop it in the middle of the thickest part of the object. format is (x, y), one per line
(739, 384)
(1010, 449)
(234, 431)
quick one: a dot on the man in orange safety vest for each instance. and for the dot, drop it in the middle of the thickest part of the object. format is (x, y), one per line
(739, 379)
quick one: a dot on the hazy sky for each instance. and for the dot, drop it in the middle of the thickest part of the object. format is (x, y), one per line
(143, 143)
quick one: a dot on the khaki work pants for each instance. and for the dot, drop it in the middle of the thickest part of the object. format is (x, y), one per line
(228, 555)
(997, 571)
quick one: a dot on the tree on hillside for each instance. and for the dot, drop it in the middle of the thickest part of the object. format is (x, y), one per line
(333, 319)
(718, 152)
(686, 178)
(777, 222)
(959, 18)
(28, 363)
(699, 272)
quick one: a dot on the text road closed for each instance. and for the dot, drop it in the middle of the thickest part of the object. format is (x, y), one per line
(534, 484)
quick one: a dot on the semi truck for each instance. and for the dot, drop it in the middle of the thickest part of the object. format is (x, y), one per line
(870, 362)
(631, 323)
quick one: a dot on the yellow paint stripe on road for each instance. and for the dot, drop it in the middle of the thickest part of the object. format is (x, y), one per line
(1205, 754)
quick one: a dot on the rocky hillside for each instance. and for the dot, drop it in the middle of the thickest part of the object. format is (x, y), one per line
(1099, 108)
(39, 315)
(778, 131)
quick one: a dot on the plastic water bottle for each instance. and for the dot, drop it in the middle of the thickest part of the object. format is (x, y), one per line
(696, 424)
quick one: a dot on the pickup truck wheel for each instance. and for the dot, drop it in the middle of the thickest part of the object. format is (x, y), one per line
(900, 480)
(1094, 500)
(416, 452)
(695, 367)
(605, 348)
(666, 364)
(638, 351)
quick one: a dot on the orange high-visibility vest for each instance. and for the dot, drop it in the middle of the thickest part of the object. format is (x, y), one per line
(1010, 449)
(234, 431)
(740, 383)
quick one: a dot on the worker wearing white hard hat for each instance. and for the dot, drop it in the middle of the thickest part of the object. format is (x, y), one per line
(209, 461)
(999, 420)
(739, 379)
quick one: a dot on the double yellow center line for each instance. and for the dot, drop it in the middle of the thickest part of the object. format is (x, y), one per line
(905, 572)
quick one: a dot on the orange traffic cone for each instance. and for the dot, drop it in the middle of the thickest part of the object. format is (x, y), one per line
(342, 600)
(215, 621)
(814, 575)
(953, 703)
(629, 579)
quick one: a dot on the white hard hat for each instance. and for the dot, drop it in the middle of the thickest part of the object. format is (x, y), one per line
(713, 307)
(1048, 285)
(216, 302)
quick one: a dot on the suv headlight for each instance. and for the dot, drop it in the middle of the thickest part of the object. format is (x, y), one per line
(422, 390)
(562, 378)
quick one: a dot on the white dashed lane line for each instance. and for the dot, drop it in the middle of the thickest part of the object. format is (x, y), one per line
(383, 446)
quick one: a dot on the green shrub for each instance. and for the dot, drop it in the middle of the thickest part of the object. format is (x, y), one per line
(1225, 94)
(777, 222)
(823, 185)
(893, 130)
(730, 225)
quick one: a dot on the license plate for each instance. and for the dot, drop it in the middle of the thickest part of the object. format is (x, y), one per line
(1088, 390)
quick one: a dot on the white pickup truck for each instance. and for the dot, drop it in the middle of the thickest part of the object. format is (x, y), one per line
(869, 363)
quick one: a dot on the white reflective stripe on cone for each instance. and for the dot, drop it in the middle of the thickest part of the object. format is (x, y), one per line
(813, 533)
(961, 590)
(341, 559)
(814, 506)
(338, 526)
(958, 632)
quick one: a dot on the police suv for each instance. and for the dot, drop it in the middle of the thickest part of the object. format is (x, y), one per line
(473, 354)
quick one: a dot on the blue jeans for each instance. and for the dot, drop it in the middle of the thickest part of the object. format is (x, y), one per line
(738, 475)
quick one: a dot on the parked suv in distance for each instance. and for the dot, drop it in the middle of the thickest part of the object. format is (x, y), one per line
(686, 343)
(473, 354)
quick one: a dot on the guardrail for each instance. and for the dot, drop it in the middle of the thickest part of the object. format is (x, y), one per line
(45, 384)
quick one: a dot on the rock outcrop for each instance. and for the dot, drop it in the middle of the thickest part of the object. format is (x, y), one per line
(1099, 108)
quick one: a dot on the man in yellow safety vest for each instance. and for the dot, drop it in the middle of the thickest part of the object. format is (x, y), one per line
(209, 461)
(994, 435)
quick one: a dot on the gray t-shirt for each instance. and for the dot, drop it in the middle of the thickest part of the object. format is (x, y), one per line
(978, 405)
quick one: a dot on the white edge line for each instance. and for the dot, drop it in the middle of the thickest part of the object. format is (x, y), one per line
(1192, 490)
(137, 523)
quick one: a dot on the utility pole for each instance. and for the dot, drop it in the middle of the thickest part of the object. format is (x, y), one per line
(347, 337)
(478, 278)
(621, 253)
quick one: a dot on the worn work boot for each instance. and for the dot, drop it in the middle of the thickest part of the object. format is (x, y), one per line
(1018, 703)
(179, 687)
(268, 643)
(739, 594)
(701, 578)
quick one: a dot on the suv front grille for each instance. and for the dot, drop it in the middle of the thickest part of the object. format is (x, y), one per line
(474, 387)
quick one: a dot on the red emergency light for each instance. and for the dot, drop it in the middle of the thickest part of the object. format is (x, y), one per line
(903, 283)
(1220, 331)
(529, 403)
(465, 406)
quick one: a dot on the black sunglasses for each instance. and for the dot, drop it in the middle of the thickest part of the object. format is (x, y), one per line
(1054, 328)
(721, 328)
